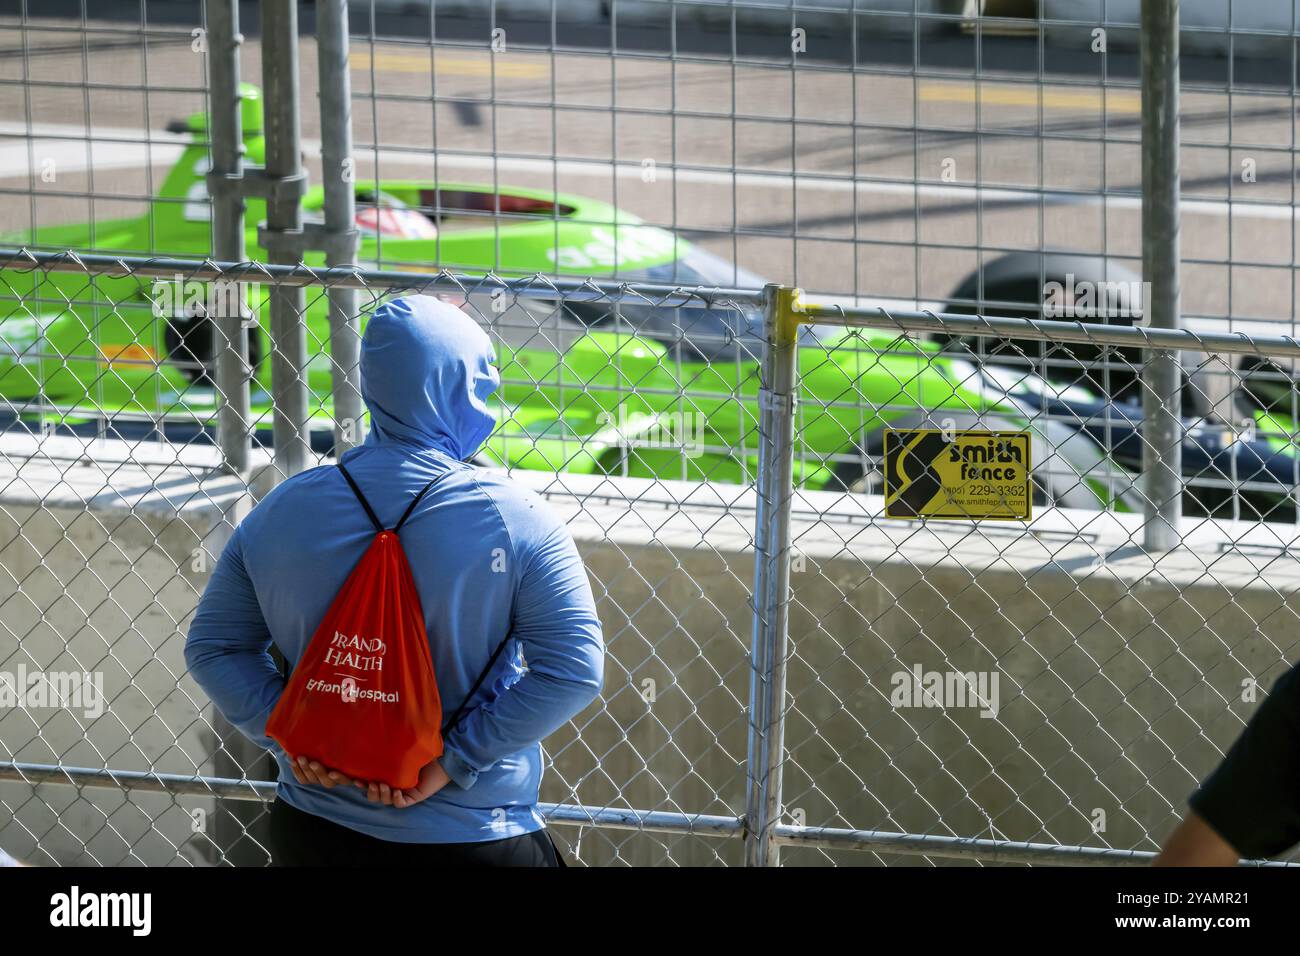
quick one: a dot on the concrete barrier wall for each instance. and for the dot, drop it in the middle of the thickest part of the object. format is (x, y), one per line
(103, 555)
(1120, 680)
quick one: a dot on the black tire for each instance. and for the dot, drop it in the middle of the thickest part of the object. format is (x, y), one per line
(191, 344)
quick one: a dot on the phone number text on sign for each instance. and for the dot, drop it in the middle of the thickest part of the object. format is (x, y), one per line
(973, 474)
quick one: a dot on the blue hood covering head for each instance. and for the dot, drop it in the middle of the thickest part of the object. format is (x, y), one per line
(426, 376)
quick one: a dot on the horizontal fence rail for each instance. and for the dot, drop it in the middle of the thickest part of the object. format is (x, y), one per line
(642, 821)
(349, 277)
(584, 290)
(993, 851)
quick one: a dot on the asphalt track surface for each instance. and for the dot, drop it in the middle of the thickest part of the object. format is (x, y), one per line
(892, 181)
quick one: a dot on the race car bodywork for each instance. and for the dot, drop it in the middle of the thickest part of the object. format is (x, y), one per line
(137, 349)
(587, 386)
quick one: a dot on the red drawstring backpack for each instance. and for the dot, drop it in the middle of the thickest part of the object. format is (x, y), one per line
(363, 699)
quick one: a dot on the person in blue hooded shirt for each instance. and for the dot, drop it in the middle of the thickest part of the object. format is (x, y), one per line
(491, 564)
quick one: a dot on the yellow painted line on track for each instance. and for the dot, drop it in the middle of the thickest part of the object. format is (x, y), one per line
(450, 64)
(1016, 94)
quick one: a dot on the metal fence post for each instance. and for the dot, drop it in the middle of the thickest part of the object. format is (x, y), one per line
(1161, 373)
(766, 750)
(282, 236)
(225, 134)
(233, 755)
(340, 235)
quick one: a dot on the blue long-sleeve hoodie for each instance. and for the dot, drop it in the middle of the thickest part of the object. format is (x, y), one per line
(488, 559)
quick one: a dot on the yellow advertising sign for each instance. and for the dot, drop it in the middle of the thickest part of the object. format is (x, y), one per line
(935, 473)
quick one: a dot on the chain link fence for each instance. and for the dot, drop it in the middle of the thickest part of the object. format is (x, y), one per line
(1051, 681)
(1095, 683)
(615, 401)
(792, 675)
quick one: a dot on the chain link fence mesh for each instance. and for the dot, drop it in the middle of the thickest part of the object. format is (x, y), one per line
(1049, 682)
(116, 507)
(1096, 683)
(905, 155)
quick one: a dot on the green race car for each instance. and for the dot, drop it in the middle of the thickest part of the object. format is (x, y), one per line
(588, 385)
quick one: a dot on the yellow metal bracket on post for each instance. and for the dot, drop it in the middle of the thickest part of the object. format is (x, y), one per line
(788, 309)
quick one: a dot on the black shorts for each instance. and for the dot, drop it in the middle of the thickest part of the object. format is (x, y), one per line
(303, 839)
(1253, 799)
